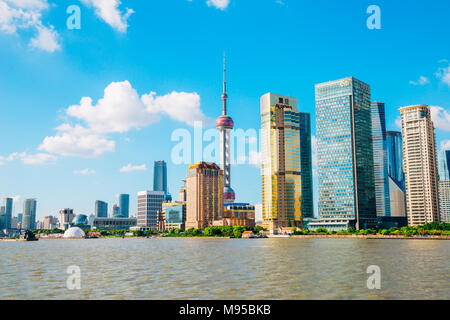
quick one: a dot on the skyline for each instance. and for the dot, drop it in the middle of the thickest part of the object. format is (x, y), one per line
(253, 68)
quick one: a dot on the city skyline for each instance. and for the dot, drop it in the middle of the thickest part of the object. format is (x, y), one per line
(53, 98)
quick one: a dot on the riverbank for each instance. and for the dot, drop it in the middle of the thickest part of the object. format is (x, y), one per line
(372, 236)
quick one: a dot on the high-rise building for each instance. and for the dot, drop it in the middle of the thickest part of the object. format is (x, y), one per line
(101, 209)
(444, 165)
(444, 200)
(380, 161)
(306, 165)
(7, 214)
(396, 177)
(204, 190)
(225, 124)
(160, 176)
(345, 154)
(50, 222)
(116, 211)
(281, 162)
(124, 204)
(420, 165)
(29, 214)
(182, 192)
(65, 218)
(149, 204)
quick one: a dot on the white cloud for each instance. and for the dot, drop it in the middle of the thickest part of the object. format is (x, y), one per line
(219, 4)
(398, 122)
(77, 141)
(440, 117)
(108, 11)
(445, 145)
(84, 172)
(27, 14)
(29, 159)
(421, 82)
(443, 73)
(131, 168)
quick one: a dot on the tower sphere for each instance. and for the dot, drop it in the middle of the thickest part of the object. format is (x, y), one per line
(224, 122)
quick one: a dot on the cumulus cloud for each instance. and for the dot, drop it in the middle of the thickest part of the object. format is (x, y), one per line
(131, 168)
(77, 141)
(445, 145)
(219, 4)
(84, 172)
(108, 11)
(440, 117)
(421, 82)
(443, 73)
(29, 159)
(27, 15)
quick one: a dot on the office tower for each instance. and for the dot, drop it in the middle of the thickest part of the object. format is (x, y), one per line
(225, 124)
(101, 209)
(444, 165)
(116, 211)
(124, 204)
(65, 218)
(395, 174)
(7, 213)
(444, 200)
(160, 176)
(29, 214)
(50, 222)
(380, 160)
(2, 217)
(174, 215)
(19, 217)
(281, 162)
(204, 189)
(420, 165)
(306, 165)
(344, 152)
(182, 193)
(149, 204)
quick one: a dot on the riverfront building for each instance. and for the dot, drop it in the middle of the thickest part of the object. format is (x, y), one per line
(281, 162)
(306, 166)
(149, 204)
(444, 186)
(380, 161)
(237, 214)
(50, 222)
(6, 214)
(444, 165)
(124, 205)
(101, 209)
(420, 165)
(29, 214)
(204, 190)
(345, 153)
(160, 176)
(113, 223)
(65, 218)
(173, 215)
(396, 176)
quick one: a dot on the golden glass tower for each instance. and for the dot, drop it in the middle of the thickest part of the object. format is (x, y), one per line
(281, 166)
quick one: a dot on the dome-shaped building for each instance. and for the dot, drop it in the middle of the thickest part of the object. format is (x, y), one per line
(74, 233)
(80, 219)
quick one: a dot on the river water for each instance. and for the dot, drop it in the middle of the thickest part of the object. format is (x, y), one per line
(196, 268)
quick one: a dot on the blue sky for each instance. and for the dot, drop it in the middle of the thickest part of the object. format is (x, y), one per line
(165, 56)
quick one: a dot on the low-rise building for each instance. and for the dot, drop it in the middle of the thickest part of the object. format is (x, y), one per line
(237, 214)
(113, 223)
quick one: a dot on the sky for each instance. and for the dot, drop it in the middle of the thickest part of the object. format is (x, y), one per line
(86, 112)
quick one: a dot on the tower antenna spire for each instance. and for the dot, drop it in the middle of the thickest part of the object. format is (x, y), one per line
(224, 94)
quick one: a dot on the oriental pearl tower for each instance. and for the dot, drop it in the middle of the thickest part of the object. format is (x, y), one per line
(225, 124)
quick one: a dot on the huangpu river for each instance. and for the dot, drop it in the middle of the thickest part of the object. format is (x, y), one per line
(196, 268)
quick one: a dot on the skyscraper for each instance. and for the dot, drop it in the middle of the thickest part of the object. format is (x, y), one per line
(29, 214)
(116, 211)
(225, 124)
(396, 177)
(204, 190)
(281, 162)
(65, 218)
(149, 204)
(306, 165)
(380, 161)
(7, 215)
(444, 165)
(101, 209)
(160, 176)
(344, 152)
(124, 204)
(420, 165)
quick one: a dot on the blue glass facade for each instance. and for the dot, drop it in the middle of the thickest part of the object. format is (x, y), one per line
(444, 165)
(395, 158)
(175, 214)
(29, 214)
(306, 165)
(380, 166)
(344, 150)
(101, 209)
(160, 176)
(124, 204)
(6, 214)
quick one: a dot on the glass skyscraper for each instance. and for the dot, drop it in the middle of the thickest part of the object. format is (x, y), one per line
(160, 176)
(380, 160)
(306, 165)
(345, 154)
(124, 205)
(29, 214)
(396, 176)
(6, 214)
(281, 162)
(444, 165)
(101, 209)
